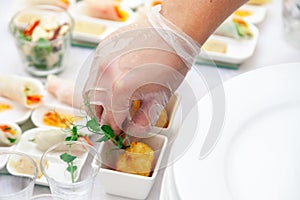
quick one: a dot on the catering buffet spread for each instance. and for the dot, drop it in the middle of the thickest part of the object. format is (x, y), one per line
(34, 109)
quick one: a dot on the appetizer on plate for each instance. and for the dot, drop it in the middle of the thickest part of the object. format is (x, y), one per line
(62, 89)
(237, 50)
(10, 134)
(45, 138)
(26, 91)
(95, 19)
(251, 13)
(11, 111)
(215, 46)
(235, 28)
(105, 9)
(57, 116)
(58, 119)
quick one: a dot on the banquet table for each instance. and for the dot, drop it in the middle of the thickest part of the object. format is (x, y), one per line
(271, 49)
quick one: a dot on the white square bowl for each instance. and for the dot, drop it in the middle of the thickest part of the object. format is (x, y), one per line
(125, 184)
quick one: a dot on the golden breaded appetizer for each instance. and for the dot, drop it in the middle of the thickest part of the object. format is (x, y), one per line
(162, 120)
(137, 159)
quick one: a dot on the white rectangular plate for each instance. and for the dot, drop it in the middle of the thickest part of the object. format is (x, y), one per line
(238, 50)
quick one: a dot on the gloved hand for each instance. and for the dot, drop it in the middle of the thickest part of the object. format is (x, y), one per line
(144, 61)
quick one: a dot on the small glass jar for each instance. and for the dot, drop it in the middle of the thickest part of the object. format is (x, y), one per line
(43, 36)
(291, 21)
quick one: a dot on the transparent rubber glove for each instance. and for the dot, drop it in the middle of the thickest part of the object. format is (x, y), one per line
(145, 61)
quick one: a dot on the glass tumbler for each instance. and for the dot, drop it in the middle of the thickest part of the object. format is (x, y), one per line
(42, 34)
(71, 170)
(291, 21)
(18, 173)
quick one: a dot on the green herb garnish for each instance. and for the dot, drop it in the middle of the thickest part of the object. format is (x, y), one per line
(105, 130)
(93, 126)
(24, 37)
(12, 140)
(68, 158)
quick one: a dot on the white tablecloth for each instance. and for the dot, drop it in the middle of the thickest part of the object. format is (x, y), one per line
(271, 50)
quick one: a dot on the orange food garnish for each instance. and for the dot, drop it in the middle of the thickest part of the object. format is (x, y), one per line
(123, 15)
(87, 139)
(154, 3)
(136, 105)
(29, 29)
(67, 2)
(4, 107)
(33, 99)
(6, 128)
(240, 21)
(242, 13)
(52, 118)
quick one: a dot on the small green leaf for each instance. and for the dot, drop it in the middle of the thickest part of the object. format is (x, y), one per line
(93, 125)
(67, 157)
(72, 169)
(119, 142)
(102, 139)
(74, 130)
(69, 138)
(119, 139)
(108, 130)
(12, 140)
(23, 37)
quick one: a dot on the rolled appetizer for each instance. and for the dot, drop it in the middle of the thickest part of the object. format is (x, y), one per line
(105, 9)
(10, 134)
(45, 138)
(63, 90)
(26, 91)
(234, 28)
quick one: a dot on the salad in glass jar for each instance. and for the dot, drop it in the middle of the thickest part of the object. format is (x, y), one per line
(43, 38)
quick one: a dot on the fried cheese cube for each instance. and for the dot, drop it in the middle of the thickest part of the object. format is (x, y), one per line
(137, 159)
